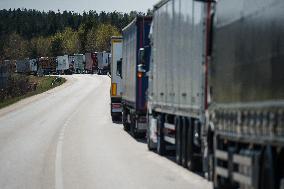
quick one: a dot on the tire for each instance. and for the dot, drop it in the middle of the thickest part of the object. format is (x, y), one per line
(161, 146)
(210, 154)
(150, 144)
(113, 118)
(267, 171)
(116, 118)
(190, 146)
(178, 126)
(124, 120)
(184, 136)
(133, 130)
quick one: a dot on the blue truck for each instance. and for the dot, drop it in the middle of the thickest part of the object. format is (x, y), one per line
(135, 65)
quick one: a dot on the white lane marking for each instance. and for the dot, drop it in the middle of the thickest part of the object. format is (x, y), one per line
(58, 159)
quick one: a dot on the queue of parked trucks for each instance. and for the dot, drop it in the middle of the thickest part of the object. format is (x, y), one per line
(204, 79)
(66, 64)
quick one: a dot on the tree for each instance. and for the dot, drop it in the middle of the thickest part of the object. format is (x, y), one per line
(15, 47)
(57, 45)
(103, 35)
(31, 33)
(70, 41)
(91, 40)
(40, 47)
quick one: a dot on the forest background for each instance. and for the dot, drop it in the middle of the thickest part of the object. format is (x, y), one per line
(30, 33)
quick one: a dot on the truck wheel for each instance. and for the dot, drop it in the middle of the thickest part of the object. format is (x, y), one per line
(133, 130)
(210, 151)
(178, 140)
(267, 171)
(150, 144)
(184, 146)
(161, 146)
(190, 150)
(124, 120)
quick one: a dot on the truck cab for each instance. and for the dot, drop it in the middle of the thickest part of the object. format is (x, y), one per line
(116, 78)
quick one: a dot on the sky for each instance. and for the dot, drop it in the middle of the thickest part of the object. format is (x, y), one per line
(80, 5)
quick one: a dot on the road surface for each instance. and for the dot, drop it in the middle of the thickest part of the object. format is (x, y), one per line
(65, 138)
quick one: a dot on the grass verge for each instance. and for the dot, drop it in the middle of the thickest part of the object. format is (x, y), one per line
(43, 84)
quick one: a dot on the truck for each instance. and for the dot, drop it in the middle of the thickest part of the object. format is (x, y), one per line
(33, 64)
(47, 65)
(91, 62)
(135, 64)
(23, 66)
(103, 62)
(216, 90)
(177, 81)
(79, 63)
(71, 61)
(5, 73)
(116, 78)
(246, 95)
(63, 66)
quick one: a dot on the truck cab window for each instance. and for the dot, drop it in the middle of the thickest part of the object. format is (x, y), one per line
(119, 68)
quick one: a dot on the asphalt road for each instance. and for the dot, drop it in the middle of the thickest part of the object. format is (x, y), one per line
(65, 138)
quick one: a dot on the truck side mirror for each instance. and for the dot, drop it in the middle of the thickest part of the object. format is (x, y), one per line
(119, 68)
(141, 68)
(141, 56)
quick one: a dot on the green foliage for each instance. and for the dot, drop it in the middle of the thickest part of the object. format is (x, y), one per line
(57, 44)
(22, 86)
(103, 35)
(31, 33)
(90, 41)
(15, 47)
(40, 47)
(70, 43)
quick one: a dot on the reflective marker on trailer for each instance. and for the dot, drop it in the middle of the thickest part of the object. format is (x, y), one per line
(113, 89)
(116, 106)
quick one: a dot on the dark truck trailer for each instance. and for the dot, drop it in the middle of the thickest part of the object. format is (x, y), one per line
(177, 84)
(47, 65)
(136, 55)
(23, 66)
(91, 62)
(5, 73)
(246, 112)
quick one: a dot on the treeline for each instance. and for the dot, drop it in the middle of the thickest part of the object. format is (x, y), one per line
(31, 33)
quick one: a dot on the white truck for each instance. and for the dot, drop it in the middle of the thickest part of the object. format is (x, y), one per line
(103, 62)
(63, 65)
(116, 78)
(33, 66)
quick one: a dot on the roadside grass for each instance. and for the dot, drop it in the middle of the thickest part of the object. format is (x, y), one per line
(43, 84)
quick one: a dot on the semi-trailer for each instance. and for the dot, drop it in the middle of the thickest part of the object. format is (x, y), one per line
(23, 66)
(71, 61)
(91, 62)
(176, 105)
(79, 63)
(135, 64)
(47, 65)
(33, 64)
(63, 66)
(5, 73)
(246, 112)
(116, 78)
(103, 62)
(216, 89)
